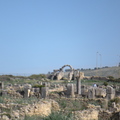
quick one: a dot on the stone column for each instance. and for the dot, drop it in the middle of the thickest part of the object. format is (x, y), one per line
(70, 90)
(60, 75)
(84, 91)
(4, 92)
(26, 93)
(48, 85)
(41, 83)
(1, 85)
(91, 93)
(70, 76)
(75, 88)
(55, 85)
(78, 85)
(110, 93)
(44, 92)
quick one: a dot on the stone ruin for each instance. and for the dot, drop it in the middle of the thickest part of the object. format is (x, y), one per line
(69, 90)
(59, 73)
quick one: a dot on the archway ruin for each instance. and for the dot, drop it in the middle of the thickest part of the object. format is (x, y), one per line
(59, 73)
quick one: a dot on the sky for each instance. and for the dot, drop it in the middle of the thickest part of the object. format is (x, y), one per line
(37, 36)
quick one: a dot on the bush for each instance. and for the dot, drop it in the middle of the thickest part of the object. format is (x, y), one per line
(34, 117)
(116, 100)
(38, 86)
(63, 103)
(59, 116)
(39, 76)
(110, 77)
(105, 83)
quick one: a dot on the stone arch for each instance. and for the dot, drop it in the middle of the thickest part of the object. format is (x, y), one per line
(59, 73)
(67, 66)
(54, 74)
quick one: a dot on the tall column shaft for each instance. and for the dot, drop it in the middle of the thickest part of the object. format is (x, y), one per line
(78, 86)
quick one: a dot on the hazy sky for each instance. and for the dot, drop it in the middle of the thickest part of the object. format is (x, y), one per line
(37, 36)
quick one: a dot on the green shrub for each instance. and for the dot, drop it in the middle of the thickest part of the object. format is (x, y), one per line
(116, 100)
(34, 117)
(63, 103)
(59, 116)
(39, 76)
(38, 86)
(110, 77)
(76, 105)
(105, 83)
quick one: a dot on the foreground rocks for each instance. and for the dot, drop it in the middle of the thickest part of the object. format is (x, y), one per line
(89, 114)
(42, 108)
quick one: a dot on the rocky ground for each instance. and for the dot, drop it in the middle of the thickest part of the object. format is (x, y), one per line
(57, 104)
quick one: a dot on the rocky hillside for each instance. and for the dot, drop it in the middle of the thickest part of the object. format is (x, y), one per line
(104, 72)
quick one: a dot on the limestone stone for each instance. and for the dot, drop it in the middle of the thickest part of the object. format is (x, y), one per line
(55, 106)
(26, 92)
(79, 74)
(110, 93)
(91, 93)
(59, 72)
(41, 83)
(48, 85)
(78, 86)
(60, 75)
(100, 92)
(15, 114)
(27, 86)
(5, 117)
(117, 93)
(70, 90)
(61, 88)
(42, 108)
(110, 90)
(110, 96)
(84, 91)
(1, 85)
(37, 90)
(4, 92)
(44, 92)
(90, 114)
(70, 76)
(33, 90)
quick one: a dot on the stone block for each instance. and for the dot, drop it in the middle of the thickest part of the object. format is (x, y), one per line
(100, 92)
(37, 90)
(26, 92)
(1, 85)
(70, 90)
(33, 90)
(4, 92)
(110, 90)
(84, 91)
(44, 92)
(91, 93)
(78, 86)
(110, 96)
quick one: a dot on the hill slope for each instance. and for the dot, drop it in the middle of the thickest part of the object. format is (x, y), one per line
(104, 72)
